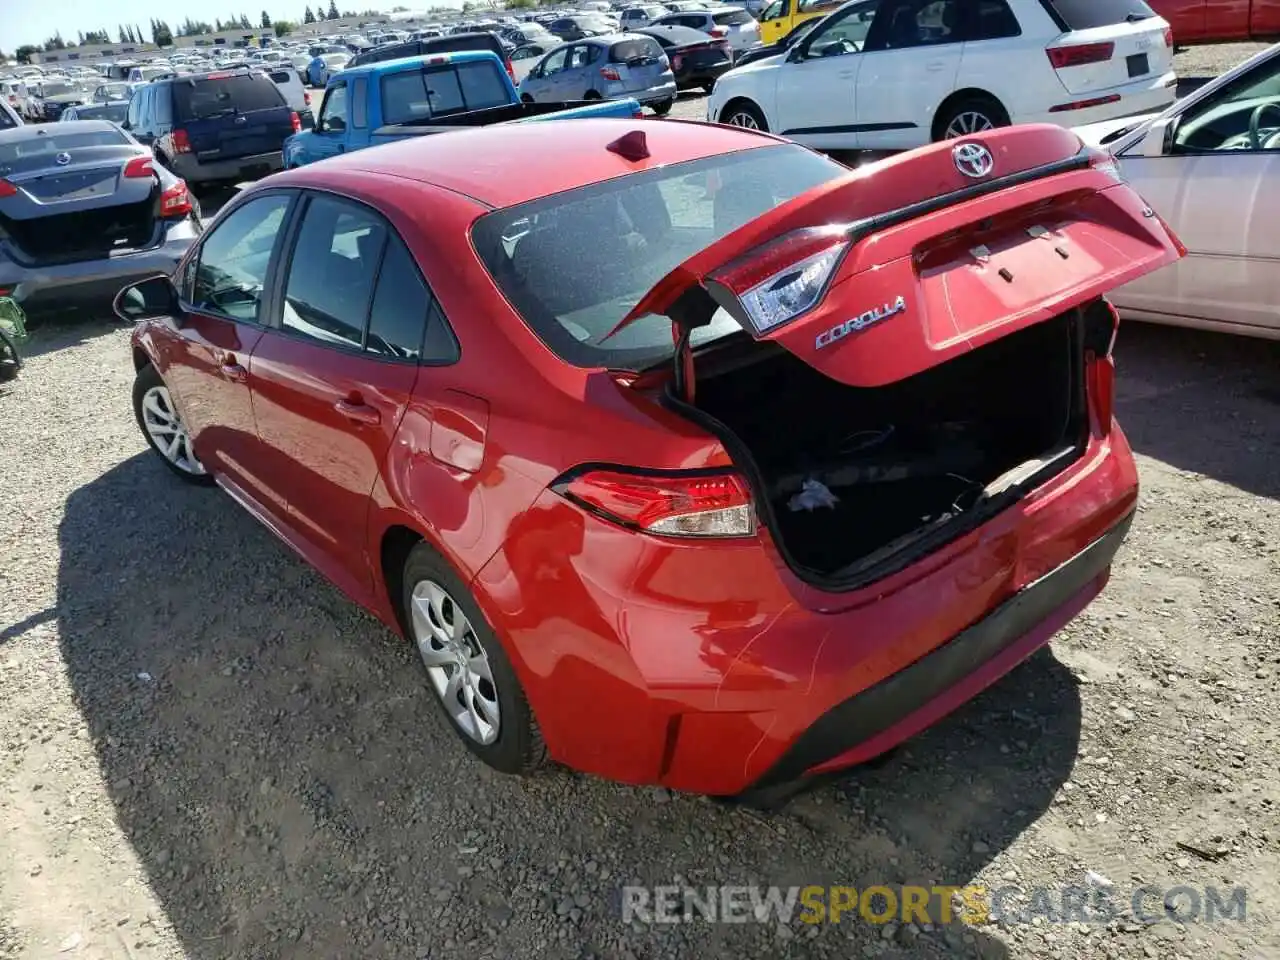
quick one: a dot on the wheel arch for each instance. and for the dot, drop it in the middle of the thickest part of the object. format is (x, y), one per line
(739, 101)
(958, 96)
(397, 542)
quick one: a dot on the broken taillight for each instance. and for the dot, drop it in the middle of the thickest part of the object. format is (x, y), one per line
(703, 504)
(780, 280)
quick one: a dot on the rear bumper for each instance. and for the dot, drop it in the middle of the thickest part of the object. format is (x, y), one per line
(189, 169)
(92, 284)
(696, 76)
(666, 91)
(1149, 95)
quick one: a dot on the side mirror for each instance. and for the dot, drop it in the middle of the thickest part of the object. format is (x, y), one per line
(153, 297)
(797, 53)
(1158, 140)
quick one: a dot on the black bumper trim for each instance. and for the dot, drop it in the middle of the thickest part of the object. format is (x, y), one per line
(876, 709)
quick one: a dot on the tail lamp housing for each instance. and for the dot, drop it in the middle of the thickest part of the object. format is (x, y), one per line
(782, 280)
(1080, 54)
(690, 505)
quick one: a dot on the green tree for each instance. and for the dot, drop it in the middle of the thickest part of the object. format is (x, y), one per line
(308, 16)
(266, 20)
(283, 27)
(244, 23)
(333, 10)
(55, 43)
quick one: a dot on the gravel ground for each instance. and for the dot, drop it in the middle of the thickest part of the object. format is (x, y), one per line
(209, 753)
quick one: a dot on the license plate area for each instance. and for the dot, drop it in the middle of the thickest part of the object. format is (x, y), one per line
(1138, 65)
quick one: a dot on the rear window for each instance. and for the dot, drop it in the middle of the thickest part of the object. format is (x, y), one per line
(440, 91)
(17, 153)
(1087, 14)
(463, 42)
(733, 18)
(574, 264)
(201, 98)
(55, 89)
(115, 112)
(634, 51)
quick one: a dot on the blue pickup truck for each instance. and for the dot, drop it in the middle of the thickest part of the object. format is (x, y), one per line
(384, 102)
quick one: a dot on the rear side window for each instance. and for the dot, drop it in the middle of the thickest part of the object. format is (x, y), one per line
(575, 263)
(732, 18)
(440, 91)
(359, 103)
(634, 51)
(993, 20)
(280, 76)
(204, 97)
(401, 304)
(1087, 14)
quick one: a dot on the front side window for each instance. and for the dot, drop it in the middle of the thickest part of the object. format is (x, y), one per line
(234, 259)
(332, 272)
(775, 11)
(904, 24)
(333, 113)
(1244, 115)
(575, 264)
(844, 32)
(555, 62)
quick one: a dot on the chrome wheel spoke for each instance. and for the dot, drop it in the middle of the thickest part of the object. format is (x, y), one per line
(165, 428)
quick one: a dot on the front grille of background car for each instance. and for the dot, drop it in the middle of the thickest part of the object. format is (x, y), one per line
(83, 234)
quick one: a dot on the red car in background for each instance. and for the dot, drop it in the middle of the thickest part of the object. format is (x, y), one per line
(1220, 21)
(684, 454)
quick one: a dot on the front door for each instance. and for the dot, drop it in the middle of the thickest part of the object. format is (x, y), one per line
(909, 68)
(328, 138)
(206, 365)
(1215, 185)
(829, 59)
(333, 379)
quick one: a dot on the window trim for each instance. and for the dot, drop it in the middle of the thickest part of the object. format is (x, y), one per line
(285, 261)
(320, 117)
(267, 305)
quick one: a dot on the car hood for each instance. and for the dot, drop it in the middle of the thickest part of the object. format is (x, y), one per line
(1102, 134)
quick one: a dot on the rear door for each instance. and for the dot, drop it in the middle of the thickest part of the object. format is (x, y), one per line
(1107, 43)
(231, 115)
(334, 377)
(910, 64)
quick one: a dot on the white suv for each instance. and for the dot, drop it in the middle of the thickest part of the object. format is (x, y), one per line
(731, 24)
(896, 74)
(641, 16)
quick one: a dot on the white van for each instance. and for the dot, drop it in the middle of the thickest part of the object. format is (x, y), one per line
(295, 94)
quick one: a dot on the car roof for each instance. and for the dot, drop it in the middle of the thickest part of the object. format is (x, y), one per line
(445, 56)
(506, 164)
(34, 131)
(677, 32)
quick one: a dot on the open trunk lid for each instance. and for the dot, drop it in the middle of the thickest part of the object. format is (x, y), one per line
(902, 265)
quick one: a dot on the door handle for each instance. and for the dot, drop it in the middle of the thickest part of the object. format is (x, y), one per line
(358, 412)
(233, 371)
(935, 66)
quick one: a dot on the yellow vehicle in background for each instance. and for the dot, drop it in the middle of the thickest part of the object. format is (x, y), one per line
(781, 16)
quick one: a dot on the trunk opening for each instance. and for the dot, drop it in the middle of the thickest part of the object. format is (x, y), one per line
(914, 463)
(85, 234)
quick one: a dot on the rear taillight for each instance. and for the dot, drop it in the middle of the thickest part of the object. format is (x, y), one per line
(610, 74)
(718, 32)
(781, 280)
(669, 504)
(1168, 36)
(511, 71)
(181, 142)
(1102, 323)
(1080, 54)
(7, 189)
(295, 121)
(306, 98)
(176, 201)
(139, 167)
(724, 47)
(676, 61)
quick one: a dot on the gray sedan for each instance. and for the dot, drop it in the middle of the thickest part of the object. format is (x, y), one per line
(608, 67)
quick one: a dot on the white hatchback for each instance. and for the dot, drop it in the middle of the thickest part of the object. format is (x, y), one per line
(731, 24)
(896, 74)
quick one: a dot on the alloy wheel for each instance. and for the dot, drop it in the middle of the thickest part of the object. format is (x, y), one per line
(167, 432)
(743, 119)
(967, 122)
(456, 662)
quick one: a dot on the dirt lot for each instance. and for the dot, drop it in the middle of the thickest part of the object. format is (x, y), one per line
(209, 753)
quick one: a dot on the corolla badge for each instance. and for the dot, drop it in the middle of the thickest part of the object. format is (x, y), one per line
(62, 159)
(973, 160)
(860, 322)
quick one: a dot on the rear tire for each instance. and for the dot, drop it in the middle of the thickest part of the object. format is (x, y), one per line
(468, 672)
(663, 107)
(525, 98)
(163, 429)
(968, 117)
(10, 358)
(592, 95)
(745, 114)
(708, 87)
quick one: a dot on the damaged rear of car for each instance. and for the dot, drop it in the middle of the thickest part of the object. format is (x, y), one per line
(907, 372)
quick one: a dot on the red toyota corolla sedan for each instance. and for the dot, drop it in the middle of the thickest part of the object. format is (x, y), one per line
(683, 454)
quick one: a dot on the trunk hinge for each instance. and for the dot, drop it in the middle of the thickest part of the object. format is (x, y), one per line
(692, 309)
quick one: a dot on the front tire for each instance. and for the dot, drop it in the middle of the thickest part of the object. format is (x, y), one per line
(745, 114)
(970, 116)
(663, 107)
(163, 429)
(468, 672)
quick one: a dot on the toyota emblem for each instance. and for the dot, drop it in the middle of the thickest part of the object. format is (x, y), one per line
(63, 159)
(973, 160)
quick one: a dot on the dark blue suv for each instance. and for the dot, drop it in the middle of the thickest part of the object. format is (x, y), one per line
(211, 128)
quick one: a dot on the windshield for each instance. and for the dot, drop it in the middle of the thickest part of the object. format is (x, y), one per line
(56, 89)
(574, 264)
